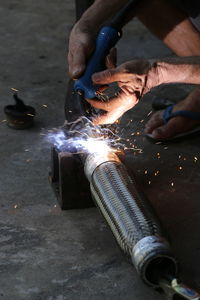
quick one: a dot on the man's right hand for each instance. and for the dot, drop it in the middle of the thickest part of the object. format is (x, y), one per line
(81, 45)
(83, 35)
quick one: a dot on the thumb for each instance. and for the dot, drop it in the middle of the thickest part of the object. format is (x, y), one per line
(111, 59)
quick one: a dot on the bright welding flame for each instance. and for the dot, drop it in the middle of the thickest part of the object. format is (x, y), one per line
(82, 136)
(79, 145)
(95, 146)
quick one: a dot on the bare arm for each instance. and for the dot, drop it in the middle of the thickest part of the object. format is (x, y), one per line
(179, 70)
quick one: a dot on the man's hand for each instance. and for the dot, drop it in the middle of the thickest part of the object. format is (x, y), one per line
(83, 35)
(81, 45)
(114, 108)
(134, 78)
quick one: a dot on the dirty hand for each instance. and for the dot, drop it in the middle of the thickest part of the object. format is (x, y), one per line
(134, 78)
(83, 35)
(81, 45)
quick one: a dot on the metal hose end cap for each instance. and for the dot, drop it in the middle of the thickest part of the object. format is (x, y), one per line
(96, 159)
(151, 256)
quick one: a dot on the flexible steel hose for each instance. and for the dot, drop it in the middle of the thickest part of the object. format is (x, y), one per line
(129, 216)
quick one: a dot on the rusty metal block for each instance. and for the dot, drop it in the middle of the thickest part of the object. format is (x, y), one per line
(68, 180)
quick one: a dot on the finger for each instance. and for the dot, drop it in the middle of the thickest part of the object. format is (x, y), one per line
(121, 103)
(108, 118)
(109, 76)
(77, 62)
(99, 104)
(175, 126)
(165, 131)
(111, 58)
(110, 105)
(155, 121)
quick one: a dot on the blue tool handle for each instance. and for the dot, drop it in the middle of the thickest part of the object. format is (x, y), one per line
(106, 39)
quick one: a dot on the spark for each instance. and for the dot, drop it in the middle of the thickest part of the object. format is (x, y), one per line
(145, 172)
(129, 122)
(172, 184)
(15, 206)
(149, 113)
(44, 105)
(179, 156)
(156, 173)
(135, 133)
(31, 115)
(82, 136)
(165, 148)
(180, 168)
(195, 159)
(14, 90)
(149, 182)
(158, 155)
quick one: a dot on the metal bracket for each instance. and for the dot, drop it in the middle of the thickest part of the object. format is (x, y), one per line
(68, 180)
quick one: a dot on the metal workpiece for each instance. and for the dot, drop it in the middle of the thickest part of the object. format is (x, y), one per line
(128, 214)
(94, 160)
(134, 225)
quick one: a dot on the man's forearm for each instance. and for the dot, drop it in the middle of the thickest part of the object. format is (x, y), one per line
(179, 70)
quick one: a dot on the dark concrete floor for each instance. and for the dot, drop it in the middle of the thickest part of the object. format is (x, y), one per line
(49, 254)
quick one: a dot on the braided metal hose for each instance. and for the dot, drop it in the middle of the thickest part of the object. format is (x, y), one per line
(129, 216)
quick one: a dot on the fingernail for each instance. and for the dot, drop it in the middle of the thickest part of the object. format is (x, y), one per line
(75, 75)
(77, 72)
